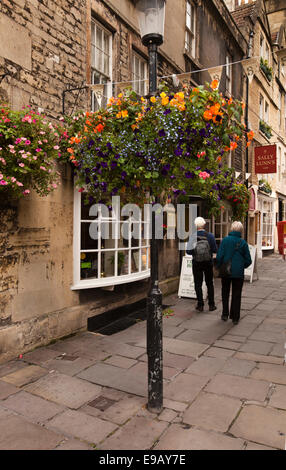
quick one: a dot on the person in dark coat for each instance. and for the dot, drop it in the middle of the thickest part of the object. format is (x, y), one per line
(203, 269)
(233, 248)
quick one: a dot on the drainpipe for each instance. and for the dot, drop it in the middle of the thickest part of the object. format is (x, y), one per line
(249, 54)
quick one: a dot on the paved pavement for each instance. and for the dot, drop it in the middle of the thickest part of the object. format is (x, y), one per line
(224, 385)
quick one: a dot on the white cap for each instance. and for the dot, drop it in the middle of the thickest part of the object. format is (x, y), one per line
(200, 222)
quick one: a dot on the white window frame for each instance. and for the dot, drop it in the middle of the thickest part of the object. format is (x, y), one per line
(190, 32)
(99, 74)
(223, 221)
(261, 107)
(267, 227)
(139, 81)
(116, 279)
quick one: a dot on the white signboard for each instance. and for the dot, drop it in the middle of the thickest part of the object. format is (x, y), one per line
(187, 286)
(253, 267)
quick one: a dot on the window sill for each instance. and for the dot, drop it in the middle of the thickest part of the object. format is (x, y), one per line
(111, 281)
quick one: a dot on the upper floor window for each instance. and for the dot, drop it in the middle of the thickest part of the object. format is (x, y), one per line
(139, 74)
(101, 61)
(190, 35)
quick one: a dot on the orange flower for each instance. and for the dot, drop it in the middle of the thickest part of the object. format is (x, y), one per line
(99, 128)
(118, 115)
(230, 101)
(70, 150)
(233, 145)
(208, 115)
(250, 135)
(153, 99)
(124, 113)
(218, 159)
(214, 84)
(248, 144)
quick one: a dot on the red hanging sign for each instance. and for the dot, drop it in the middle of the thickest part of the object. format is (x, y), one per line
(265, 159)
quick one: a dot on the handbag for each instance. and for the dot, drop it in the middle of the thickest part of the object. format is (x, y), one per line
(224, 270)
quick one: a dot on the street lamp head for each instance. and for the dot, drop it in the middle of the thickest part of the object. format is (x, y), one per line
(151, 16)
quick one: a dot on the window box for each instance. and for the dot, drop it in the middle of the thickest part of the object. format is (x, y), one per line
(265, 129)
(266, 69)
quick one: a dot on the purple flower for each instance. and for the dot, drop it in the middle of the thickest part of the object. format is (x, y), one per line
(113, 165)
(162, 133)
(178, 151)
(90, 144)
(198, 168)
(109, 146)
(189, 174)
(104, 164)
(182, 168)
(202, 132)
(123, 175)
(167, 111)
(114, 191)
(156, 140)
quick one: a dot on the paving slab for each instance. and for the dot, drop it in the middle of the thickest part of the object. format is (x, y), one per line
(278, 397)
(234, 366)
(24, 376)
(74, 444)
(142, 368)
(40, 356)
(254, 446)
(212, 412)
(180, 437)
(7, 389)
(240, 387)
(219, 352)
(139, 433)
(64, 390)
(81, 425)
(185, 387)
(119, 412)
(258, 347)
(11, 366)
(69, 365)
(167, 415)
(204, 337)
(258, 358)
(174, 405)
(115, 377)
(261, 425)
(206, 366)
(120, 361)
(32, 407)
(16, 433)
(173, 360)
(184, 348)
(268, 336)
(271, 372)
(222, 343)
(278, 350)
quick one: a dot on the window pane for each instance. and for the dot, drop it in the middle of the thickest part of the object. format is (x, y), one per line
(88, 265)
(89, 236)
(145, 259)
(135, 261)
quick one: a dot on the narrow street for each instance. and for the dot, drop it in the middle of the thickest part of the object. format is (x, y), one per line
(224, 385)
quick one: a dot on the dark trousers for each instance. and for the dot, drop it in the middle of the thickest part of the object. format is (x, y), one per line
(236, 285)
(200, 271)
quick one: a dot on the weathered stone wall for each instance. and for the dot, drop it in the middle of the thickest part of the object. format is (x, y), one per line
(45, 50)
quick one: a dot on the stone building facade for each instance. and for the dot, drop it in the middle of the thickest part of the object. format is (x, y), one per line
(47, 49)
(267, 110)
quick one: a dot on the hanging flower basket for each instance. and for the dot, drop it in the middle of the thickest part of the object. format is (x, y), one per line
(28, 152)
(175, 144)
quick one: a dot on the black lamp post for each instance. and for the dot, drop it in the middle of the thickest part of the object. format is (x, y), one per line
(151, 16)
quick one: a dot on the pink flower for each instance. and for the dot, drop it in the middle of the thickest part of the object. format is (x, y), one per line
(3, 182)
(17, 141)
(43, 168)
(12, 151)
(27, 142)
(19, 184)
(21, 164)
(204, 175)
(56, 147)
(54, 185)
(13, 179)
(27, 191)
(35, 158)
(38, 150)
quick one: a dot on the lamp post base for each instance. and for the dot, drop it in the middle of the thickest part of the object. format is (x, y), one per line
(154, 350)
